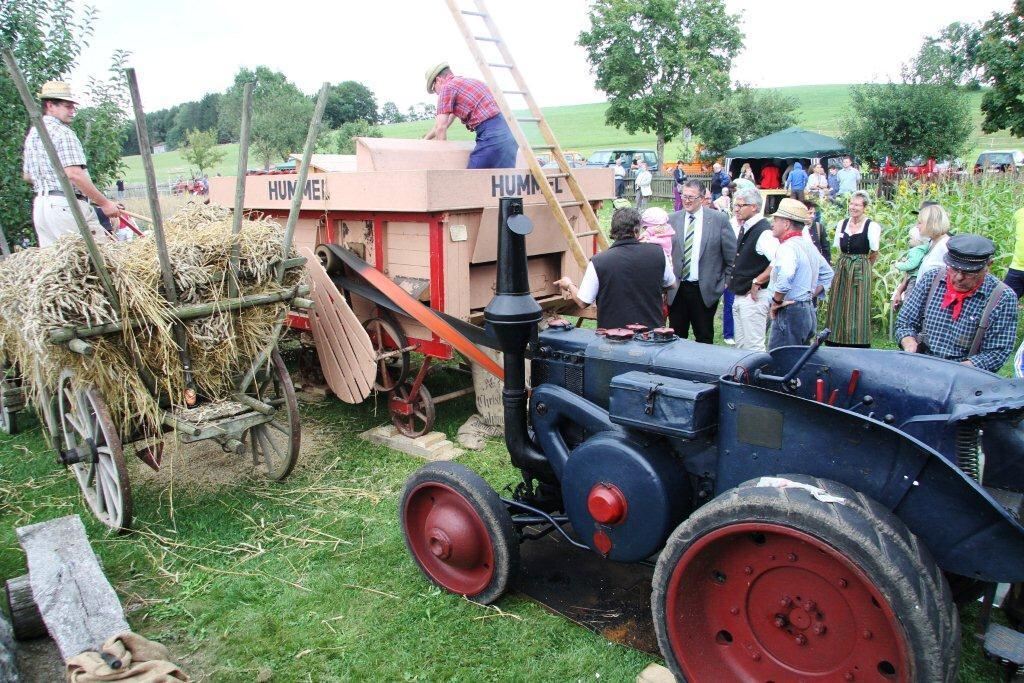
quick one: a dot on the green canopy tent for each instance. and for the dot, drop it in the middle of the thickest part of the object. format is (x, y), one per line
(791, 143)
(779, 149)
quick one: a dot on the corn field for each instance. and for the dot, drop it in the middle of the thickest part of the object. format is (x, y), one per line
(983, 206)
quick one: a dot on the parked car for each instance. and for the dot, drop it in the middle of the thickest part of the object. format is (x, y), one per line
(574, 159)
(607, 157)
(999, 160)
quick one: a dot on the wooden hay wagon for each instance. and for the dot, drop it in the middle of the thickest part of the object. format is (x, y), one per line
(255, 410)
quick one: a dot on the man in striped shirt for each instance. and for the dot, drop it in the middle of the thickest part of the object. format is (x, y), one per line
(471, 102)
(50, 211)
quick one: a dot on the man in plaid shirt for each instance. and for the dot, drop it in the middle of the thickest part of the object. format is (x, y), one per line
(947, 307)
(471, 102)
(51, 214)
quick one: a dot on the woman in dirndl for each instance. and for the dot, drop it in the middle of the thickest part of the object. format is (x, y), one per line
(857, 239)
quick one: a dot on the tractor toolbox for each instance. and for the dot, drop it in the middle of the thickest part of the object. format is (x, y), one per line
(666, 405)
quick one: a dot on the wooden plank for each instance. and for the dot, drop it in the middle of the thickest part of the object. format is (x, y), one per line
(80, 608)
(346, 354)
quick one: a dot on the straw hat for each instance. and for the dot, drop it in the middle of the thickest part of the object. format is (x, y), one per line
(57, 90)
(432, 74)
(794, 210)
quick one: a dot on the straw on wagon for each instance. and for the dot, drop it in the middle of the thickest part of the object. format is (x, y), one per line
(43, 289)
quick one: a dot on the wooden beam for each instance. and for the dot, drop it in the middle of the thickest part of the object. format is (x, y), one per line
(80, 608)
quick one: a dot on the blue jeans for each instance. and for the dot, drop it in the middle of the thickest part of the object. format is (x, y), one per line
(728, 329)
(495, 146)
(794, 325)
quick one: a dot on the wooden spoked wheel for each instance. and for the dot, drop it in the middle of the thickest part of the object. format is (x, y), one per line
(89, 431)
(388, 340)
(8, 417)
(421, 415)
(275, 443)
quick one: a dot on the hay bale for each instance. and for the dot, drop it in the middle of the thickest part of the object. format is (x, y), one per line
(43, 289)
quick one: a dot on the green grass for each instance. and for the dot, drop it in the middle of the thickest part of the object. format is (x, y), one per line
(309, 579)
(582, 127)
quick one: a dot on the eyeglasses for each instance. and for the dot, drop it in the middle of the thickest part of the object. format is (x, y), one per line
(737, 205)
(691, 198)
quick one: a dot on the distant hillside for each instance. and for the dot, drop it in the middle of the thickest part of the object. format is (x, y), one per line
(581, 127)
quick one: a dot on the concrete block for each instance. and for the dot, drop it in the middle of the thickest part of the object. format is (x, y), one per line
(432, 446)
(655, 673)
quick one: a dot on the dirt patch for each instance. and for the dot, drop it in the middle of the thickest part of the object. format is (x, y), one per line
(39, 661)
(205, 465)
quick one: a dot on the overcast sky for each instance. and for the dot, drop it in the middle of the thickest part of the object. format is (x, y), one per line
(183, 49)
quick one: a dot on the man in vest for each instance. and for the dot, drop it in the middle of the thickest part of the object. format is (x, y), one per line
(755, 249)
(961, 313)
(627, 280)
(472, 102)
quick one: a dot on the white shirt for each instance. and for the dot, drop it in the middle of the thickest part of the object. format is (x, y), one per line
(587, 291)
(874, 234)
(935, 258)
(620, 171)
(766, 243)
(698, 231)
(643, 181)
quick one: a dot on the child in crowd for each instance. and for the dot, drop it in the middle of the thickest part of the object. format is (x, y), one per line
(657, 229)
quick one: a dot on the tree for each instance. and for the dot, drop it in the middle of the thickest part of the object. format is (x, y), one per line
(903, 121)
(653, 57)
(350, 101)
(1001, 55)
(46, 38)
(101, 127)
(949, 58)
(421, 111)
(281, 114)
(343, 140)
(741, 116)
(201, 150)
(390, 114)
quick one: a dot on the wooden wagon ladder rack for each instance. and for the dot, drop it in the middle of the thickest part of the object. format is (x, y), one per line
(474, 40)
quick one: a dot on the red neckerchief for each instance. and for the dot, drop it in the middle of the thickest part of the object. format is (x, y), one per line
(790, 233)
(954, 298)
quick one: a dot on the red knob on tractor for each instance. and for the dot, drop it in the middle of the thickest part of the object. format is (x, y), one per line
(606, 504)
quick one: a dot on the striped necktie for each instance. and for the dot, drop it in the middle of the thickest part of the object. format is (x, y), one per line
(688, 245)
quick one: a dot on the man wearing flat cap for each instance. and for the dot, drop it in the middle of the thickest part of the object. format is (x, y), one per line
(961, 312)
(50, 213)
(472, 102)
(799, 276)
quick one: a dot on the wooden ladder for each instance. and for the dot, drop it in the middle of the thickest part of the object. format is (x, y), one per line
(491, 35)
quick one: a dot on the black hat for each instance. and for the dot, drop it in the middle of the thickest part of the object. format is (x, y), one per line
(969, 252)
(923, 205)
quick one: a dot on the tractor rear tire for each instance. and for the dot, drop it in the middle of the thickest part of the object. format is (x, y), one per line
(816, 583)
(459, 532)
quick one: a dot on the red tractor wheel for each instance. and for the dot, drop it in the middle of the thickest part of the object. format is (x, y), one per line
(459, 532)
(768, 583)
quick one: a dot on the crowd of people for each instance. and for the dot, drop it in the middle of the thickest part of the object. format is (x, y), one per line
(770, 275)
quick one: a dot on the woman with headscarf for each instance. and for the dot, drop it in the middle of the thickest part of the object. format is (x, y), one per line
(849, 312)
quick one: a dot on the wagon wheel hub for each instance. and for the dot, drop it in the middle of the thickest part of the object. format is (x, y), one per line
(439, 543)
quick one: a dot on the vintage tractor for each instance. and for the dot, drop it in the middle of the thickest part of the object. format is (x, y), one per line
(808, 509)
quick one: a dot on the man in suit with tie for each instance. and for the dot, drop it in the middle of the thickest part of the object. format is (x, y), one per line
(703, 250)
